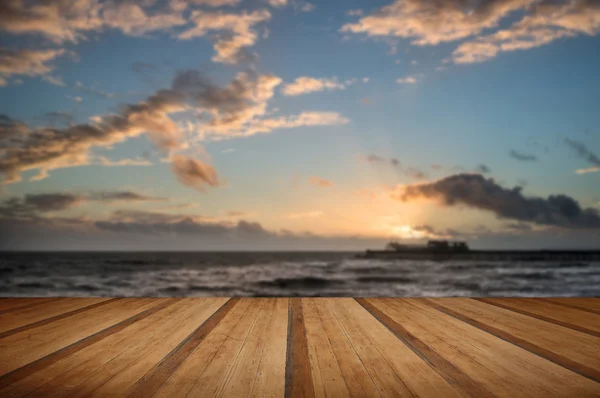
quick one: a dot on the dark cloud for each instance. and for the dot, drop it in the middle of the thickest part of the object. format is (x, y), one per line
(583, 152)
(31, 206)
(476, 191)
(110, 196)
(372, 158)
(523, 157)
(52, 201)
(194, 173)
(483, 169)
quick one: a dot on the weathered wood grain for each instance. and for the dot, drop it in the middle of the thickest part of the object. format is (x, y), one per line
(299, 347)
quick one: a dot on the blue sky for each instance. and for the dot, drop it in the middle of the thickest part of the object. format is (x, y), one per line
(293, 125)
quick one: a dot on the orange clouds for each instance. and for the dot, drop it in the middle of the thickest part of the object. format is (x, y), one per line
(194, 173)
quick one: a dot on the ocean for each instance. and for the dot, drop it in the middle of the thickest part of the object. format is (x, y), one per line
(188, 274)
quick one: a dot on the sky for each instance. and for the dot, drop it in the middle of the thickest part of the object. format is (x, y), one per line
(296, 125)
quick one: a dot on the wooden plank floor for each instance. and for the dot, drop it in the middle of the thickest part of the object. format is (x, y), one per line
(299, 347)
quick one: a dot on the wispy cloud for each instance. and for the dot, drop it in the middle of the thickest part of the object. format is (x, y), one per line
(305, 85)
(434, 22)
(407, 80)
(235, 110)
(585, 153)
(92, 90)
(239, 33)
(123, 162)
(28, 63)
(523, 157)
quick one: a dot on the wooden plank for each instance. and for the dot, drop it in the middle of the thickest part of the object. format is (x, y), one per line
(240, 381)
(327, 376)
(71, 369)
(585, 304)
(15, 304)
(185, 377)
(122, 372)
(271, 375)
(451, 373)
(158, 374)
(299, 381)
(22, 348)
(380, 380)
(503, 368)
(69, 349)
(372, 340)
(570, 349)
(560, 315)
(31, 318)
(216, 375)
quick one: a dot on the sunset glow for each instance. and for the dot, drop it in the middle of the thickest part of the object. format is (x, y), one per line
(296, 124)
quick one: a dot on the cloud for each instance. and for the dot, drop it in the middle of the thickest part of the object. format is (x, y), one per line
(49, 148)
(277, 3)
(547, 21)
(194, 173)
(239, 33)
(92, 90)
(585, 153)
(31, 206)
(157, 223)
(111, 196)
(235, 110)
(51, 201)
(588, 170)
(320, 182)
(523, 157)
(104, 161)
(54, 80)
(288, 122)
(305, 85)
(372, 158)
(430, 22)
(483, 169)
(67, 21)
(28, 63)
(407, 80)
(131, 19)
(355, 13)
(214, 3)
(302, 215)
(474, 190)
(305, 6)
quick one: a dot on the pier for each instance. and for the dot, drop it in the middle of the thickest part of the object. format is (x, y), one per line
(486, 255)
(299, 347)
